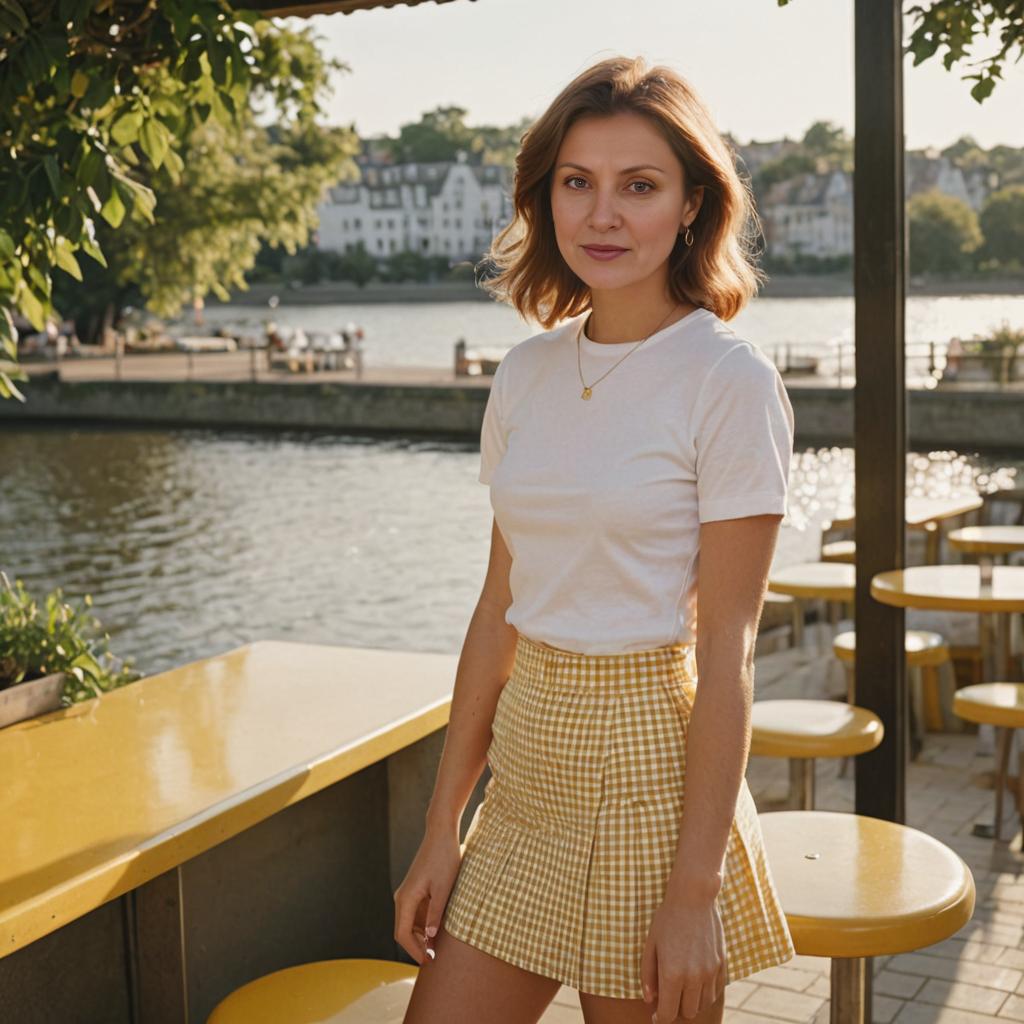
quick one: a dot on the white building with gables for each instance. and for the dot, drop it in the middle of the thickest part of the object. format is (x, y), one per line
(450, 209)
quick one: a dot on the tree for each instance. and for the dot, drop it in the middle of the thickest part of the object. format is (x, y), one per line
(241, 185)
(437, 136)
(829, 143)
(99, 100)
(1002, 223)
(356, 265)
(943, 232)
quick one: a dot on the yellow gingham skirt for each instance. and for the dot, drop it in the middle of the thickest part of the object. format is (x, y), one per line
(568, 855)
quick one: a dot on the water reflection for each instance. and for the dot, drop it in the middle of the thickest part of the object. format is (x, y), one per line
(193, 542)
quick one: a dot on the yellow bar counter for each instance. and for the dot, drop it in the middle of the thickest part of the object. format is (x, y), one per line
(250, 810)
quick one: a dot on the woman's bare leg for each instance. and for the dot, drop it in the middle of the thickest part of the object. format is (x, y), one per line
(602, 1010)
(464, 983)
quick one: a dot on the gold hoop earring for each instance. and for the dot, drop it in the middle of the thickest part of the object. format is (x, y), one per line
(688, 237)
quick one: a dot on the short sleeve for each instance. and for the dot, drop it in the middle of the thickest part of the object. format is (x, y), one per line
(743, 431)
(493, 436)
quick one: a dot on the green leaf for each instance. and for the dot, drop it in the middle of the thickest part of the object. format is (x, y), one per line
(53, 173)
(7, 388)
(154, 140)
(90, 248)
(33, 310)
(79, 84)
(15, 12)
(6, 246)
(113, 210)
(66, 260)
(126, 128)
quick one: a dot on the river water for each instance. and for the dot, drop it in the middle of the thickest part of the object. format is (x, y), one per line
(192, 542)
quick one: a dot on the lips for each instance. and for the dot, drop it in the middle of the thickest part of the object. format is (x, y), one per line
(604, 252)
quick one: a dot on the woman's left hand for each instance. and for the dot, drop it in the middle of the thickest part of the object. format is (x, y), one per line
(683, 965)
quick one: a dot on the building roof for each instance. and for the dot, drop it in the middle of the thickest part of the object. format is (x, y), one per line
(285, 9)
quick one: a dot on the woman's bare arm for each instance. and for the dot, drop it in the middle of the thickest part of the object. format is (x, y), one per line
(484, 666)
(735, 558)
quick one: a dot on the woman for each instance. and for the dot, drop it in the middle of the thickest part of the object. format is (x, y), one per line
(637, 431)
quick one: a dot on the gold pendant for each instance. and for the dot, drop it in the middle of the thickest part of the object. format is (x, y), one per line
(586, 393)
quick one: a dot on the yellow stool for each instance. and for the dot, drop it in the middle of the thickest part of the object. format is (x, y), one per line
(802, 730)
(925, 651)
(321, 993)
(796, 628)
(855, 887)
(1001, 705)
(839, 551)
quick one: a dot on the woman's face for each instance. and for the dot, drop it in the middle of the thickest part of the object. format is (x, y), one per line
(618, 186)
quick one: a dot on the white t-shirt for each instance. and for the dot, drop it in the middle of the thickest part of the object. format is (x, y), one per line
(600, 502)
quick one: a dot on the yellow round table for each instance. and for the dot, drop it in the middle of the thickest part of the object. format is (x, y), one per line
(814, 581)
(923, 513)
(1000, 705)
(959, 588)
(987, 540)
(854, 887)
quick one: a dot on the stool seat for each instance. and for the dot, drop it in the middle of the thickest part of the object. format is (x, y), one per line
(323, 992)
(839, 551)
(991, 704)
(812, 728)
(922, 647)
(854, 886)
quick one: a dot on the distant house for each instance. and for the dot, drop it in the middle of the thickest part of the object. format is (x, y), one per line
(449, 208)
(812, 214)
(809, 215)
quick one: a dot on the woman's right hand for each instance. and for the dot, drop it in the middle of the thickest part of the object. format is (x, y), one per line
(421, 898)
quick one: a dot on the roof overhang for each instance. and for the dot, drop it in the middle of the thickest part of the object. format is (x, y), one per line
(281, 9)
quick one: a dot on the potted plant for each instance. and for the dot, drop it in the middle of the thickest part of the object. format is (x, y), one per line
(52, 655)
(993, 358)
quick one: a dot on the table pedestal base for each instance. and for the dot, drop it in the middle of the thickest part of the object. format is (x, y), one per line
(851, 990)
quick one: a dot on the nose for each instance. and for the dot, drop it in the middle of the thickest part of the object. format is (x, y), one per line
(604, 213)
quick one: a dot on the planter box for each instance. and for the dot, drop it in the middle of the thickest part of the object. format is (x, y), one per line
(26, 700)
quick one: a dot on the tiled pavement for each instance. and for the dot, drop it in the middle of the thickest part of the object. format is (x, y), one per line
(974, 977)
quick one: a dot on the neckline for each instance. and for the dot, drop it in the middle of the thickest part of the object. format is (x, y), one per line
(618, 349)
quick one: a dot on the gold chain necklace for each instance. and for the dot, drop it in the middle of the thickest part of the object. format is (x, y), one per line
(588, 389)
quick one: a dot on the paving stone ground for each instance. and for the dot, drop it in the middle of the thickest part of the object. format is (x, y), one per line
(974, 977)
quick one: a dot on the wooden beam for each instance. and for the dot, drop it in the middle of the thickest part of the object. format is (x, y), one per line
(880, 399)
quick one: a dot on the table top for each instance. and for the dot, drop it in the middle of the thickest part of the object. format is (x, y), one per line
(834, 581)
(110, 793)
(988, 540)
(919, 511)
(855, 886)
(951, 588)
(812, 728)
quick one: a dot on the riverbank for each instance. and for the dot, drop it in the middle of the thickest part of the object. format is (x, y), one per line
(424, 401)
(781, 286)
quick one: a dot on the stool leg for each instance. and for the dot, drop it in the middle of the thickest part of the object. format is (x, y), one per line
(851, 990)
(801, 783)
(1003, 751)
(851, 685)
(798, 623)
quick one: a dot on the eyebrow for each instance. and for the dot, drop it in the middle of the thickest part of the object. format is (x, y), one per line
(625, 170)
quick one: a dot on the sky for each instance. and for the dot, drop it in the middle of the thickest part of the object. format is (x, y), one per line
(764, 71)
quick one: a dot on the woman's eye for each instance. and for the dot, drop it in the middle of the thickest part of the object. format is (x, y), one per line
(647, 187)
(575, 177)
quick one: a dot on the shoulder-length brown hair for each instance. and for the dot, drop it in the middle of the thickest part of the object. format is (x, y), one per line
(717, 272)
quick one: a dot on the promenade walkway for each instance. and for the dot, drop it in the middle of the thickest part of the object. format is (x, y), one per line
(229, 366)
(976, 977)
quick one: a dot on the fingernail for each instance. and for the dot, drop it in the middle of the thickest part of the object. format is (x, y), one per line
(432, 930)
